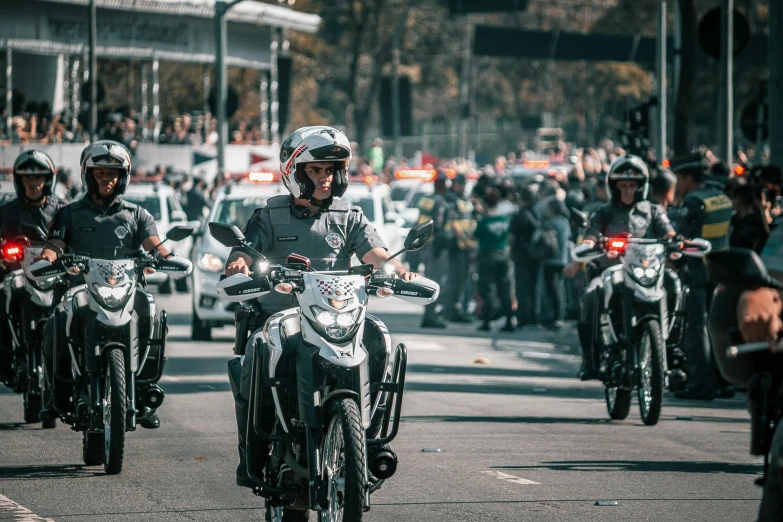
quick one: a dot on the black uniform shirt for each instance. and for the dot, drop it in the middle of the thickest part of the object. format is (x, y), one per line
(643, 220)
(328, 239)
(102, 232)
(17, 212)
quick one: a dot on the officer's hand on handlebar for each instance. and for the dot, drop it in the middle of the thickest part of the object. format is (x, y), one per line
(407, 276)
(46, 256)
(758, 316)
(588, 242)
(237, 267)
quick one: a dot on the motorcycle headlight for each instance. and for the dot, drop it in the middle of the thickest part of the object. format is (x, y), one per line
(335, 326)
(43, 285)
(113, 297)
(646, 276)
(210, 263)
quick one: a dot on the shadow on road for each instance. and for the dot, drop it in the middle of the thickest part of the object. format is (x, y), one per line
(646, 466)
(504, 420)
(553, 370)
(175, 388)
(506, 389)
(8, 426)
(48, 472)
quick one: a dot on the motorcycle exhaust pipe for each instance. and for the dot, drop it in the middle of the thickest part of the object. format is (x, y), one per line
(384, 464)
(153, 397)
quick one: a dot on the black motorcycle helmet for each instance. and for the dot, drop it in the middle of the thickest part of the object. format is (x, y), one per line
(109, 154)
(628, 168)
(33, 163)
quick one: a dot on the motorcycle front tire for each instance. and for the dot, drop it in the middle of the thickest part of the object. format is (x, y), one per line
(618, 402)
(651, 377)
(344, 443)
(116, 406)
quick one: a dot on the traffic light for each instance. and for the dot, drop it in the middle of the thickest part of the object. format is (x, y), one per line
(406, 106)
(485, 6)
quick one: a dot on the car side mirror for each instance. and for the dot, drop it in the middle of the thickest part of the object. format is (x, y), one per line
(226, 235)
(418, 236)
(738, 266)
(180, 232)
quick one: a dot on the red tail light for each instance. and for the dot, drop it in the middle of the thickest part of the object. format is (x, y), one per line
(13, 252)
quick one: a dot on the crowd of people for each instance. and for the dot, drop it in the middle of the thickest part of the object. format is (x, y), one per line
(127, 128)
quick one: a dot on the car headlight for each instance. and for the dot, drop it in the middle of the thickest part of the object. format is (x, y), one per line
(210, 263)
(646, 275)
(113, 297)
(335, 326)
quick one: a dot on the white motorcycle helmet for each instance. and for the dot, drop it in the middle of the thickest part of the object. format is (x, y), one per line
(310, 145)
(628, 168)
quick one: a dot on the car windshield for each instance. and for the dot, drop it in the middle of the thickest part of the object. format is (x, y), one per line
(363, 202)
(149, 203)
(399, 193)
(237, 211)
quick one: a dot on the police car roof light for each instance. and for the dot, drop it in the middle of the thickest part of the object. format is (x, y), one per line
(420, 174)
(536, 164)
(261, 176)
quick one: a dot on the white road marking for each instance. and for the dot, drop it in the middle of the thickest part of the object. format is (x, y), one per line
(424, 346)
(510, 478)
(20, 513)
(215, 377)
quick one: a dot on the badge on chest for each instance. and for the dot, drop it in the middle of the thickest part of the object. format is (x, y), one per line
(334, 240)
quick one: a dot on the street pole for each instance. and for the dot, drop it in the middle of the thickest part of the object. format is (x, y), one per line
(9, 92)
(726, 114)
(222, 84)
(395, 94)
(464, 90)
(93, 71)
(660, 138)
(775, 89)
(676, 59)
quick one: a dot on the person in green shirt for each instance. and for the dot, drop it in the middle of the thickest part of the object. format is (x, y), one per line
(494, 262)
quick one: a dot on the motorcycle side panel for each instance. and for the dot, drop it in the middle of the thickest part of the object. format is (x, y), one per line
(282, 323)
(377, 327)
(610, 277)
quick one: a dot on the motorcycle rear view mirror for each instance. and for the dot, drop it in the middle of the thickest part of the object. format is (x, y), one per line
(739, 266)
(36, 233)
(418, 236)
(578, 218)
(180, 232)
(227, 235)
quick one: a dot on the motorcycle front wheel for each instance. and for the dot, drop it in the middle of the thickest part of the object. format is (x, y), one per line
(344, 463)
(651, 372)
(114, 409)
(618, 402)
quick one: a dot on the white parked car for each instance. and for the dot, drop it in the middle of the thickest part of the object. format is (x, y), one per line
(375, 201)
(161, 201)
(233, 205)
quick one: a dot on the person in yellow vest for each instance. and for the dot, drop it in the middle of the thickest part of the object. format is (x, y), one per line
(435, 207)
(460, 225)
(705, 213)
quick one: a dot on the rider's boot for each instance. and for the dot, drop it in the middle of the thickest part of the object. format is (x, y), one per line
(48, 412)
(241, 410)
(587, 372)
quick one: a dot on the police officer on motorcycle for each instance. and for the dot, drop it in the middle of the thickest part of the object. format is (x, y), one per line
(313, 222)
(755, 313)
(461, 224)
(33, 175)
(705, 213)
(628, 211)
(101, 225)
(435, 207)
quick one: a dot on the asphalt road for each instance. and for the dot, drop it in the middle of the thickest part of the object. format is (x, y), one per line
(519, 438)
